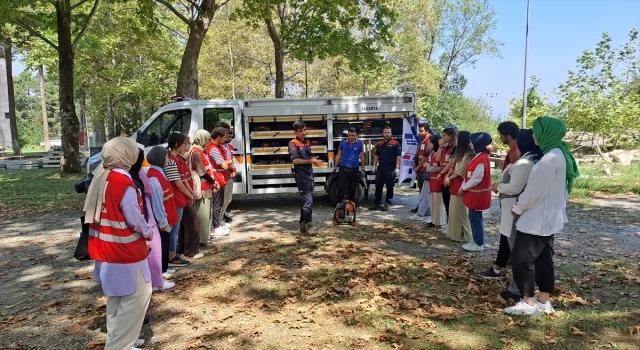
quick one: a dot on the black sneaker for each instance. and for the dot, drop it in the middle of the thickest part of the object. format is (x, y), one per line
(385, 207)
(177, 262)
(506, 295)
(375, 207)
(414, 210)
(490, 274)
(388, 201)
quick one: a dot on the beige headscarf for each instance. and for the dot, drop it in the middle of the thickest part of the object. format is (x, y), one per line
(119, 152)
(201, 138)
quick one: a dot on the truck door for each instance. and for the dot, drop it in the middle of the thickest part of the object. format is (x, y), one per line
(211, 115)
(156, 131)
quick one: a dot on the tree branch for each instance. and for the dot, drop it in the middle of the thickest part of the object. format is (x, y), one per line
(73, 7)
(171, 30)
(86, 25)
(36, 33)
(175, 12)
(293, 75)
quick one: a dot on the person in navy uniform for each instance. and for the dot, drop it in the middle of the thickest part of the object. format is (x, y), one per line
(300, 154)
(387, 163)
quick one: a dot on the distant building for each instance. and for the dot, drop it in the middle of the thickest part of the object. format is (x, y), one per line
(5, 129)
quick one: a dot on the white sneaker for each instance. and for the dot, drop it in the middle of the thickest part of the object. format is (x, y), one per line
(198, 256)
(227, 225)
(443, 228)
(139, 342)
(522, 308)
(171, 271)
(167, 276)
(472, 247)
(416, 217)
(167, 285)
(543, 307)
(222, 231)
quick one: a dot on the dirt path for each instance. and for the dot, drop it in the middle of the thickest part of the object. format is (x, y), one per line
(50, 301)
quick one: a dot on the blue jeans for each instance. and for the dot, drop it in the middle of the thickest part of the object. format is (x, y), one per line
(173, 235)
(477, 226)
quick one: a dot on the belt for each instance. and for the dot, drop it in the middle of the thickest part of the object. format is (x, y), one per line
(480, 191)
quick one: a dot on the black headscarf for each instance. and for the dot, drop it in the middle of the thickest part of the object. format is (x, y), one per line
(480, 141)
(135, 176)
(157, 156)
(526, 144)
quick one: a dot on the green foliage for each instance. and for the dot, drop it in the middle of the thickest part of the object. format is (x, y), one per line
(537, 105)
(450, 108)
(599, 97)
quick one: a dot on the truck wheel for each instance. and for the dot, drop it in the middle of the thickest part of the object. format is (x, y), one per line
(333, 193)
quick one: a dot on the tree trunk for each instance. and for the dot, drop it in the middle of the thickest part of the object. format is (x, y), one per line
(98, 128)
(8, 57)
(68, 117)
(43, 105)
(366, 86)
(188, 75)
(83, 120)
(278, 47)
(111, 115)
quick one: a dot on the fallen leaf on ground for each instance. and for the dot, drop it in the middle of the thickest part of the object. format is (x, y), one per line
(575, 331)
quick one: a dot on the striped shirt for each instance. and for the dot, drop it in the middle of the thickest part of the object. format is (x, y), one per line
(171, 171)
(215, 155)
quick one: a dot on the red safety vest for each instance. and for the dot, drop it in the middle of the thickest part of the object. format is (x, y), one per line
(435, 184)
(444, 160)
(112, 240)
(506, 162)
(422, 147)
(479, 197)
(219, 173)
(204, 185)
(456, 183)
(181, 199)
(167, 196)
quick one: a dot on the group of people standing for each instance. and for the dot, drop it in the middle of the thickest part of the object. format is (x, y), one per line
(534, 184)
(142, 223)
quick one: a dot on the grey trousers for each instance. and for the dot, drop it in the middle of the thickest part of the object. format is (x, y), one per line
(425, 201)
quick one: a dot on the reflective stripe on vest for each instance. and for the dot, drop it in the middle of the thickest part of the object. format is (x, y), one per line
(113, 224)
(114, 239)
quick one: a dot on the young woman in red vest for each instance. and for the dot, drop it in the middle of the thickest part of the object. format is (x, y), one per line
(476, 189)
(201, 167)
(458, 225)
(433, 166)
(178, 173)
(162, 203)
(448, 144)
(117, 242)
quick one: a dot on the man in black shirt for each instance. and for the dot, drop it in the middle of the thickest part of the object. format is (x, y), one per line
(300, 154)
(387, 162)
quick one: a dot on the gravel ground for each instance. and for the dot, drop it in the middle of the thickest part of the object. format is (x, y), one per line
(50, 301)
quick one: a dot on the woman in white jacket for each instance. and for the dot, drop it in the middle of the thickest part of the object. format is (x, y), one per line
(512, 182)
(541, 212)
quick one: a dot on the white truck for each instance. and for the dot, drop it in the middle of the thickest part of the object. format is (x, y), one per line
(262, 130)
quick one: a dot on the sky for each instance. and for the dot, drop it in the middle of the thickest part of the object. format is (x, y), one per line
(559, 31)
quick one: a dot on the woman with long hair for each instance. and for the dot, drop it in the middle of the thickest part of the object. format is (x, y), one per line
(448, 144)
(459, 227)
(433, 167)
(177, 171)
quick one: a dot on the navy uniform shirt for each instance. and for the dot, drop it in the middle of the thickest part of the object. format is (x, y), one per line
(303, 172)
(387, 151)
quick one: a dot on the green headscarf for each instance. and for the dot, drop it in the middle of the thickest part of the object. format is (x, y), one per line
(549, 133)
